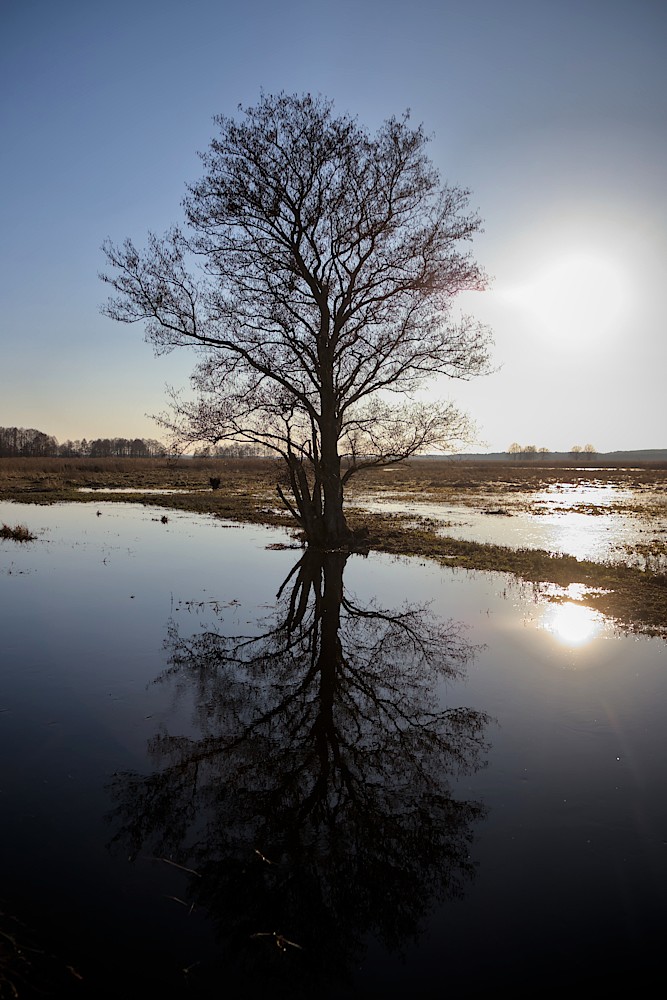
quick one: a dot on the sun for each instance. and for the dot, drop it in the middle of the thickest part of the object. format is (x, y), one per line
(578, 298)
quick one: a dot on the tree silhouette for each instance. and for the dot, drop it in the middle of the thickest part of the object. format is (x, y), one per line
(315, 277)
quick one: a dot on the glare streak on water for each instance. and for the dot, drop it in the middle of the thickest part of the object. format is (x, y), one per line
(129, 489)
(569, 860)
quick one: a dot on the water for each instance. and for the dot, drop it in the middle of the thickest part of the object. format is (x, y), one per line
(110, 490)
(596, 521)
(371, 799)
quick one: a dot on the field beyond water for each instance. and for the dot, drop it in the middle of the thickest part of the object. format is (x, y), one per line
(406, 510)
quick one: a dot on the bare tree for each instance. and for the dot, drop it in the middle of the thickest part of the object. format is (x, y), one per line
(316, 275)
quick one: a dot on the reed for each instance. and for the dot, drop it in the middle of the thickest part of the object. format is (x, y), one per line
(19, 533)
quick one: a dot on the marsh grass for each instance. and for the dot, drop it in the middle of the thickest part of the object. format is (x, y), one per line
(651, 556)
(19, 533)
(51, 479)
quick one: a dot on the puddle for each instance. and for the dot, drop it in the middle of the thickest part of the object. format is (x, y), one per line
(127, 489)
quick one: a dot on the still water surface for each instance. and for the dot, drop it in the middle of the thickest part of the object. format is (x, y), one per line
(394, 779)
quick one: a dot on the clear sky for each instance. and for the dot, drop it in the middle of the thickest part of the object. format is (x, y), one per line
(554, 113)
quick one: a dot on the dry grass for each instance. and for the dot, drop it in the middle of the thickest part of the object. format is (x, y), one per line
(34, 478)
(506, 483)
(19, 533)
(422, 475)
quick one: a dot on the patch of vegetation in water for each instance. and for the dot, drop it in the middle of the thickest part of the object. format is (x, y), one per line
(650, 555)
(19, 533)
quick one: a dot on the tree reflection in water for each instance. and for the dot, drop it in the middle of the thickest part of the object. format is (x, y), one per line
(314, 805)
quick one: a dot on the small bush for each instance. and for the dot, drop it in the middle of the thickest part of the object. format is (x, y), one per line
(19, 533)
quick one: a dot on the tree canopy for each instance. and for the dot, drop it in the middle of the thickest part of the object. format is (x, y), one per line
(316, 274)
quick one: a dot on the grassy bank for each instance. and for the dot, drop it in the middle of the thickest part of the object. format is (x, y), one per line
(636, 598)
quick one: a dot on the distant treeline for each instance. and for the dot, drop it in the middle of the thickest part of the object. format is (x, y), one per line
(608, 459)
(25, 442)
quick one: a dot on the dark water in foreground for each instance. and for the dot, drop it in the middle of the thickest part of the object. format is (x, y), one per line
(395, 779)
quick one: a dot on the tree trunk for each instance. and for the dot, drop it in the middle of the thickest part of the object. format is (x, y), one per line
(335, 530)
(319, 506)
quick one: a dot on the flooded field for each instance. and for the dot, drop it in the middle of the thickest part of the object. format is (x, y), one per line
(590, 519)
(393, 778)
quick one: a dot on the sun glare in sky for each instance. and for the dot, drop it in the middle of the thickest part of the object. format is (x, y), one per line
(577, 299)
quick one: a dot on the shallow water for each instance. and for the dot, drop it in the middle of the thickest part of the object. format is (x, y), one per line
(110, 490)
(589, 521)
(317, 789)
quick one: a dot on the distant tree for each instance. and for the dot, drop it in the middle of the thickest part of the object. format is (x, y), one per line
(8, 441)
(44, 445)
(67, 449)
(25, 442)
(514, 449)
(316, 276)
(100, 448)
(155, 449)
(530, 450)
(575, 450)
(590, 449)
(544, 451)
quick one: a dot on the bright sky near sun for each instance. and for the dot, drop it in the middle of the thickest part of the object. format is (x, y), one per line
(553, 112)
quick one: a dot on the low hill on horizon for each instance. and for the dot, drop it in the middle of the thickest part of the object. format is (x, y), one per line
(582, 458)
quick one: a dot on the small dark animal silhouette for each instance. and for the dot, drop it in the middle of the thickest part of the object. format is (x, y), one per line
(215, 482)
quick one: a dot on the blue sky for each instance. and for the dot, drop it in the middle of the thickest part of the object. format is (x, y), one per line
(554, 113)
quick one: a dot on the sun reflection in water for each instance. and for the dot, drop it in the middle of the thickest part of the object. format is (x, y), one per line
(572, 624)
